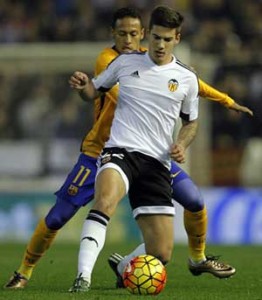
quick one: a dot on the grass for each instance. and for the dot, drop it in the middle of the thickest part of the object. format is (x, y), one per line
(56, 271)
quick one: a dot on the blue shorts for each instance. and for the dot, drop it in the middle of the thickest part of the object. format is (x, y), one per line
(177, 173)
(184, 190)
(78, 187)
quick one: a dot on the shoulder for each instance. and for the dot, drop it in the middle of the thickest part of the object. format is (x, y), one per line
(104, 58)
(107, 54)
(187, 70)
(189, 76)
(127, 59)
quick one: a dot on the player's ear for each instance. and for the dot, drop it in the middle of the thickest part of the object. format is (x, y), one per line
(142, 33)
(178, 37)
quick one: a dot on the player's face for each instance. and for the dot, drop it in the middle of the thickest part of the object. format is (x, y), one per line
(127, 34)
(162, 41)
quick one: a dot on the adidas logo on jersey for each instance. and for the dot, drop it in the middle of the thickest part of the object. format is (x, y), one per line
(135, 74)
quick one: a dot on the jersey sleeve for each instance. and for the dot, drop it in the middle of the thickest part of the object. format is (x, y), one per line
(102, 62)
(210, 93)
(109, 77)
(189, 109)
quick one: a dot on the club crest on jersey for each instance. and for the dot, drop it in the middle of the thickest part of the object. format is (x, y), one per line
(72, 190)
(172, 85)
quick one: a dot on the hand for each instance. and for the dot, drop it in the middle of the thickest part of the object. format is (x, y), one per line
(78, 80)
(177, 153)
(240, 108)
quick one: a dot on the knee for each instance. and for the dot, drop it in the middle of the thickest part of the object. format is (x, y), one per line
(193, 201)
(186, 193)
(106, 203)
(196, 203)
(54, 221)
(60, 214)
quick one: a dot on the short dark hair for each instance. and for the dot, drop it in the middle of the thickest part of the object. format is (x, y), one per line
(125, 12)
(166, 17)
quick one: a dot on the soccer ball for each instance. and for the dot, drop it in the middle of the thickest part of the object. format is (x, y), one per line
(145, 275)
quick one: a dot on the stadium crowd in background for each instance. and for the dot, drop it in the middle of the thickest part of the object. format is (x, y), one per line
(230, 31)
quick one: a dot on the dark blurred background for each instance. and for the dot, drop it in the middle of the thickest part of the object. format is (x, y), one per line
(42, 121)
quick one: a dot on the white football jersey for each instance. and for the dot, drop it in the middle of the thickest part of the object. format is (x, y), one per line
(151, 99)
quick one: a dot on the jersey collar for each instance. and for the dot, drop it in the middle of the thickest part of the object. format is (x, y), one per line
(160, 66)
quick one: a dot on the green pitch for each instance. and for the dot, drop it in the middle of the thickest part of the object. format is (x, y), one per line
(56, 272)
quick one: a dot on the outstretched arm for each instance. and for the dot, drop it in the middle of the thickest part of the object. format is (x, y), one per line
(239, 108)
(210, 93)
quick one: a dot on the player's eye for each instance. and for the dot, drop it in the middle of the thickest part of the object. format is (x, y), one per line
(134, 33)
(121, 33)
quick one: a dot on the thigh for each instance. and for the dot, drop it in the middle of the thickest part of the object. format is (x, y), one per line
(78, 187)
(110, 188)
(112, 181)
(177, 173)
(158, 234)
(184, 190)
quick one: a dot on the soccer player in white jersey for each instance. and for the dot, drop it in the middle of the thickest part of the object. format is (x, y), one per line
(154, 91)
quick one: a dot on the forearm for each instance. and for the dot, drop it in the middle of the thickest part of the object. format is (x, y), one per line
(80, 82)
(89, 92)
(240, 108)
(187, 133)
(208, 92)
(83, 95)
